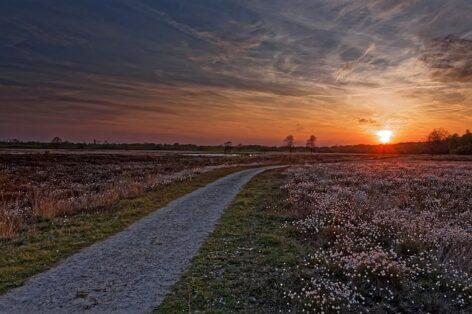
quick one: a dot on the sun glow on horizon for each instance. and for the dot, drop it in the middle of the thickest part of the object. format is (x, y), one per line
(385, 136)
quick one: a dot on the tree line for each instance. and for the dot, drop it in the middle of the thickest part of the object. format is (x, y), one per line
(439, 141)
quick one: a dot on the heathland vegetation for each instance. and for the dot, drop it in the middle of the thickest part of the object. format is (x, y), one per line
(35, 187)
(41, 186)
(332, 232)
(55, 203)
(44, 241)
(386, 236)
(382, 236)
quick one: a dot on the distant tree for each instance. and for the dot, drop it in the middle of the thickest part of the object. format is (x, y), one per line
(56, 142)
(289, 142)
(466, 143)
(461, 145)
(438, 141)
(228, 146)
(311, 143)
(454, 143)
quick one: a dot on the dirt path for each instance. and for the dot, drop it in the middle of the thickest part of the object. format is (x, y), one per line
(133, 270)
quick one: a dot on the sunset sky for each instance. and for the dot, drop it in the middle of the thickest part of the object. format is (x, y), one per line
(249, 71)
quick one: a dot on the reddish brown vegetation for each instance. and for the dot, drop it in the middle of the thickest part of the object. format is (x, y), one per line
(43, 186)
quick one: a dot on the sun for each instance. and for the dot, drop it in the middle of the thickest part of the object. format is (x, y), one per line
(384, 136)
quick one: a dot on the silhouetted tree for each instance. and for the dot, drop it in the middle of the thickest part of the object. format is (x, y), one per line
(461, 145)
(289, 142)
(228, 146)
(311, 143)
(438, 141)
(56, 142)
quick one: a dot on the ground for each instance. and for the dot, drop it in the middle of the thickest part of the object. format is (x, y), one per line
(332, 233)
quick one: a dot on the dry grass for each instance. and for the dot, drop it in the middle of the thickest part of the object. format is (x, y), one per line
(39, 187)
(45, 205)
(10, 223)
(42, 186)
(48, 241)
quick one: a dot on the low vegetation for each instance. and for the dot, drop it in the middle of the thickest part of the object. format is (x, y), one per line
(387, 236)
(366, 236)
(48, 241)
(334, 233)
(35, 187)
(248, 262)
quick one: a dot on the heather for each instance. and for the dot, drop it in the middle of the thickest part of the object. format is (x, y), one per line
(35, 187)
(386, 236)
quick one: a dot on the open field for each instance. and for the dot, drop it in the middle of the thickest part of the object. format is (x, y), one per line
(332, 232)
(386, 236)
(46, 242)
(133, 270)
(42, 186)
(57, 203)
(36, 185)
(378, 236)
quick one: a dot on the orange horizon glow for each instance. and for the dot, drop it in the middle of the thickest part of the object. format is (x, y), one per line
(342, 79)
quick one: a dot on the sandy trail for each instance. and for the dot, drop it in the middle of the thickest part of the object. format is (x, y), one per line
(133, 270)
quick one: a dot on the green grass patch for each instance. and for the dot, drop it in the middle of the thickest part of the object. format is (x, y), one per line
(47, 242)
(248, 261)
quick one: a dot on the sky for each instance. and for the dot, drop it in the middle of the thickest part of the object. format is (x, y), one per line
(248, 71)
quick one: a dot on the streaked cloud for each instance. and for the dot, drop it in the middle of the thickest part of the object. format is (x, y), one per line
(161, 69)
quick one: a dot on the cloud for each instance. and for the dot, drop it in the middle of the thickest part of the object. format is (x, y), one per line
(351, 66)
(249, 63)
(367, 121)
(449, 58)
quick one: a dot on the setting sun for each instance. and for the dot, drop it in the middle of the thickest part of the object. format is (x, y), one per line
(384, 136)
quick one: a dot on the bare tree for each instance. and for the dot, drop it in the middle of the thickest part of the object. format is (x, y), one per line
(56, 142)
(437, 140)
(289, 142)
(311, 143)
(228, 146)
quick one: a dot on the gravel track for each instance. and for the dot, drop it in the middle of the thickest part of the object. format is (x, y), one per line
(133, 270)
